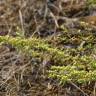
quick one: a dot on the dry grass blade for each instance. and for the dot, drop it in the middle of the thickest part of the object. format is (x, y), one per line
(22, 22)
(78, 88)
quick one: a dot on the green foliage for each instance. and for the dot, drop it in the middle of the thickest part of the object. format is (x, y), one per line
(35, 46)
(91, 3)
(71, 73)
(68, 64)
(82, 70)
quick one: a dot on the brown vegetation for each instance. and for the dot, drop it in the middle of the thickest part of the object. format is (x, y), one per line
(49, 20)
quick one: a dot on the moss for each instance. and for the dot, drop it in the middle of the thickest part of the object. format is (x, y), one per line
(69, 63)
(35, 46)
(70, 73)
